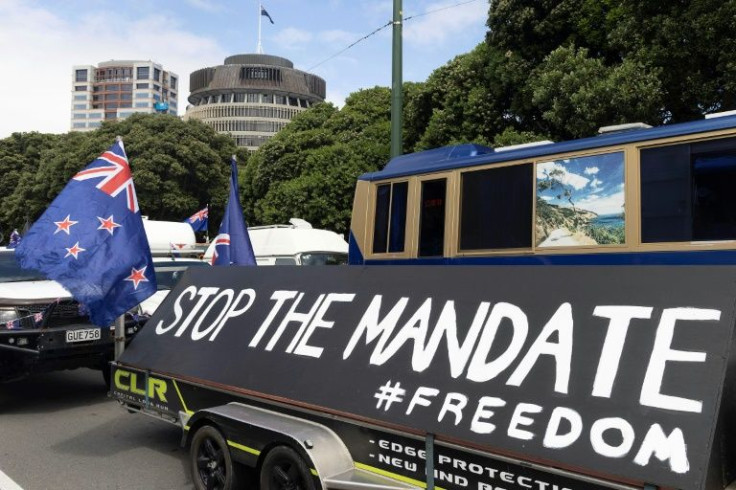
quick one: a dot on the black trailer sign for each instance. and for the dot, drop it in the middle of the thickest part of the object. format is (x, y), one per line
(616, 372)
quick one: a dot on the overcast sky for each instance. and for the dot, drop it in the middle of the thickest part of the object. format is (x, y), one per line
(40, 41)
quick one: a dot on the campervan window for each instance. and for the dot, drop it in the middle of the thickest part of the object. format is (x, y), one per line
(388, 233)
(687, 192)
(432, 218)
(496, 208)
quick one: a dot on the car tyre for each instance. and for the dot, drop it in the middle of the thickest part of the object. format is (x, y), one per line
(211, 462)
(284, 469)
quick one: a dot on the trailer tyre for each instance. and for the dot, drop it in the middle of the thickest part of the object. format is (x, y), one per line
(212, 464)
(284, 469)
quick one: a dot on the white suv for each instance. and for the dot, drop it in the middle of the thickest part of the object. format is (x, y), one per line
(43, 328)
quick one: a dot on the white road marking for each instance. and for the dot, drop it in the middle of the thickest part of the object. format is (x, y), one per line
(7, 484)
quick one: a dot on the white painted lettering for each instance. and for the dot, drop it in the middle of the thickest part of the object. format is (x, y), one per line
(454, 402)
(519, 419)
(480, 370)
(191, 291)
(613, 346)
(664, 448)
(478, 425)
(372, 327)
(552, 437)
(603, 448)
(281, 297)
(651, 394)
(204, 294)
(561, 351)
(418, 398)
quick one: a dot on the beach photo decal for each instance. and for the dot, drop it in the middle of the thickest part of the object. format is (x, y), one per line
(580, 201)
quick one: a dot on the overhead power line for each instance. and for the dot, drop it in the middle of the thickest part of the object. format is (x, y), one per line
(387, 24)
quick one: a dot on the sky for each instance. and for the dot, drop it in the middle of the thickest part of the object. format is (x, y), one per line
(41, 40)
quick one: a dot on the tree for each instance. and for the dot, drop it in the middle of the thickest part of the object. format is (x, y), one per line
(178, 167)
(309, 169)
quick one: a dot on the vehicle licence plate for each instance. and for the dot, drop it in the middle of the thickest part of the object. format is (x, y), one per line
(83, 335)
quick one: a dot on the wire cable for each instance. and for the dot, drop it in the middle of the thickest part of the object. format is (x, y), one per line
(376, 31)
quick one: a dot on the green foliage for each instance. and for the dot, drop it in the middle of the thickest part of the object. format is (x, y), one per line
(309, 169)
(548, 69)
(178, 167)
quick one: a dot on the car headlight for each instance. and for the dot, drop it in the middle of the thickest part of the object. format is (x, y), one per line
(8, 315)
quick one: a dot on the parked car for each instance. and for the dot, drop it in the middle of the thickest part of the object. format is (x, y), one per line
(43, 328)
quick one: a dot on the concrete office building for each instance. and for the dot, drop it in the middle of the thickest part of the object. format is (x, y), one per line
(118, 88)
(252, 96)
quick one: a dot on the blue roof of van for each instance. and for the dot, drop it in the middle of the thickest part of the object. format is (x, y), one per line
(469, 155)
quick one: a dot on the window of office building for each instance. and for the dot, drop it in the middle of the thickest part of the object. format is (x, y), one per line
(173, 83)
(141, 104)
(80, 106)
(78, 125)
(141, 85)
(80, 97)
(143, 73)
(80, 88)
(157, 74)
(80, 75)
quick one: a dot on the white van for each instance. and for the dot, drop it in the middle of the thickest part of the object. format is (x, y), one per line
(294, 244)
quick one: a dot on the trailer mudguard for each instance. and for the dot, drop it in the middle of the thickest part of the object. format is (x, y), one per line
(250, 431)
(615, 373)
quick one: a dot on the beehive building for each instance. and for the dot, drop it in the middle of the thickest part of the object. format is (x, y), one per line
(252, 96)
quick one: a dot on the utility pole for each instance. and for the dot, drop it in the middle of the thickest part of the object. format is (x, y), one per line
(396, 83)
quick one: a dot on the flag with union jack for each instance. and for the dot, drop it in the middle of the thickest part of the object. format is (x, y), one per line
(232, 243)
(198, 221)
(91, 240)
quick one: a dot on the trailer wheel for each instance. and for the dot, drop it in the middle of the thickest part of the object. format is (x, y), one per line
(284, 469)
(212, 465)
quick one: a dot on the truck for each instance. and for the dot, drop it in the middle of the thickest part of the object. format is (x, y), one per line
(553, 316)
(484, 377)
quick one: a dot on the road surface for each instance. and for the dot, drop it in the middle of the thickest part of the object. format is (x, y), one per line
(60, 431)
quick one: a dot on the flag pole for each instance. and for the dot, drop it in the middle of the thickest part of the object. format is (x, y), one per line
(119, 321)
(259, 48)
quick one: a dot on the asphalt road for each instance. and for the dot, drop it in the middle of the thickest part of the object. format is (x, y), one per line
(60, 431)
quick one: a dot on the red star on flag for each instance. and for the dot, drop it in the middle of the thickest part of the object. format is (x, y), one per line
(107, 224)
(137, 276)
(64, 225)
(74, 250)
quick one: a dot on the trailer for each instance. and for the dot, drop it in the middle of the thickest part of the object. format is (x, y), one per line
(483, 377)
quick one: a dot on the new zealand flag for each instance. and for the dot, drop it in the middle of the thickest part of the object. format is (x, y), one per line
(232, 244)
(198, 221)
(91, 240)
